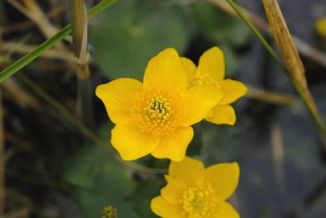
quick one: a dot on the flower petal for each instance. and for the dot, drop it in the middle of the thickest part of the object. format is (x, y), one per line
(226, 210)
(165, 70)
(198, 102)
(232, 90)
(224, 178)
(174, 145)
(118, 96)
(222, 115)
(190, 68)
(163, 209)
(131, 142)
(188, 170)
(212, 63)
(173, 191)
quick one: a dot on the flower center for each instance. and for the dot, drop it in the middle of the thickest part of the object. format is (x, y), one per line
(158, 109)
(198, 201)
(157, 113)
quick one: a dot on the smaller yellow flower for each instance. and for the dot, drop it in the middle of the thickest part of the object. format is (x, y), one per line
(211, 71)
(193, 191)
(321, 26)
(109, 212)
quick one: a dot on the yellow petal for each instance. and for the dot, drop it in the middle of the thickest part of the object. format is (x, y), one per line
(197, 103)
(131, 142)
(222, 115)
(190, 68)
(232, 90)
(118, 97)
(212, 63)
(224, 178)
(226, 210)
(165, 70)
(173, 191)
(174, 145)
(189, 170)
(163, 209)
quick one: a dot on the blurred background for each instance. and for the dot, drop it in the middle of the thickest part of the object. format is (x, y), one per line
(56, 166)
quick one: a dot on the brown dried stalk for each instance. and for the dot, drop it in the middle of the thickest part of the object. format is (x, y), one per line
(292, 60)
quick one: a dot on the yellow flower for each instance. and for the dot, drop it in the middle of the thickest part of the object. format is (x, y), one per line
(195, 192)
(155, 117)
(320, 26)
(211, 71)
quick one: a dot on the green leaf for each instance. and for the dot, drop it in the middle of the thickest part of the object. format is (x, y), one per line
(132, 32)
(98, 181)
(39, 50)
(219, 26)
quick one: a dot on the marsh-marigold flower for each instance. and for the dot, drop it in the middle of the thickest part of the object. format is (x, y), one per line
(156, 116)
(193, 191)
(211, 71)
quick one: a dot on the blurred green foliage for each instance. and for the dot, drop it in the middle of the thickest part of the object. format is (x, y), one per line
(133, 31)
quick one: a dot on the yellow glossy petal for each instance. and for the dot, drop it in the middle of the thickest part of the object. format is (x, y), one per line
(226, 210)
(190, 68)
(224, 178)
(173, 191)
(163, 209)
(174, 145)
(189, 170)
(222, 115)
(165, 71)
(118, 97)
(198, 102)
(211, 63)
(232, 90)
(131, 142)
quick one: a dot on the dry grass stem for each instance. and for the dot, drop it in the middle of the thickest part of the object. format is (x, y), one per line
(32, 10)
(272, 97)
(2, 160)
(292, 60)
(19, 94)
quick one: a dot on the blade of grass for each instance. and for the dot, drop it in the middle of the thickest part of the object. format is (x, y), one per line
(39, 50)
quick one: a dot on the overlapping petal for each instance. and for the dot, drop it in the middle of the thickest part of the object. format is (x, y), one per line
(165, 70)
(198, 101)
(232, 91)
(190, 68)
(222, 115)
(131, 142)
(226, 210)
(173, 191)
(163, 209)
(118, 97)
(174, 145)
(212, 63)
(224, 178)
(181, 170)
